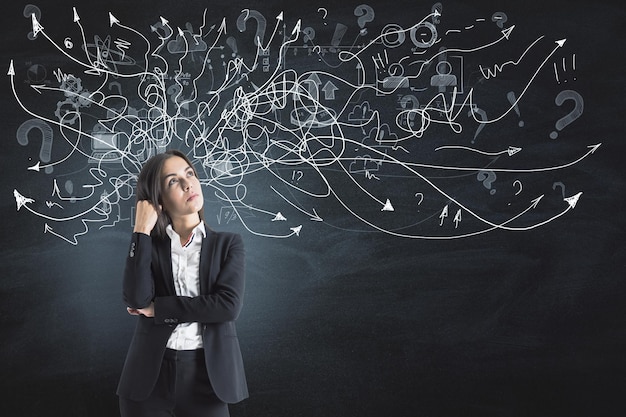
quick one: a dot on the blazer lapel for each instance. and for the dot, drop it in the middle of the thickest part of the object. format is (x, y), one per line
(206, 256)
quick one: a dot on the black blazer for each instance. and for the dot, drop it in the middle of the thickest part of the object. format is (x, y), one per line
(148, 277)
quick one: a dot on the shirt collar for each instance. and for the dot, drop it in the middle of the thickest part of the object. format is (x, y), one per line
(198, 229)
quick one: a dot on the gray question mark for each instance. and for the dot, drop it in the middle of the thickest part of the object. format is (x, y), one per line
(487, 178)
(579, 105)
(500, 19)
(45, 153)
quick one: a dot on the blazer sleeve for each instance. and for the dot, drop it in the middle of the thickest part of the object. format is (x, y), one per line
(138, 283)
(225, 298)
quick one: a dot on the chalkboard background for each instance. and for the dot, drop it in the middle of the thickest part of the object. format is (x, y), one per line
(342, 318)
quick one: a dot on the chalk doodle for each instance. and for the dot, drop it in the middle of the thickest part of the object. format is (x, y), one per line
(293, 124)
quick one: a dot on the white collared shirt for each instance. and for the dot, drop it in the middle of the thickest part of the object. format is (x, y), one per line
(186, 270)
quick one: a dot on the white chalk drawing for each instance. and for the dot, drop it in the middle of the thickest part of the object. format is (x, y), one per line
(293, 124)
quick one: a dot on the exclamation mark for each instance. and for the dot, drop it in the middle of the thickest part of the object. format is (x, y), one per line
(232, 42)
(511, 97)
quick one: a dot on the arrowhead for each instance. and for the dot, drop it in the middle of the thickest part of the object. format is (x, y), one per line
(35, 167)
(296, 230)
(387, 206)
(20, 200)
(280, 16)
(594, 147)
(164, 21)
(536, 201)
(457, 216)
(329, 86)
(112, 19)
(223, 26)
(37, 88)
(296, 29)
(11, 69)
(573, 199)
(561, 42)
(315, 78)
(513, 150)
(444, 212)
(181, 33)
(93, 71)
(507, 32)
(279, 217)
(36, 26)
(76, 17)
(437, 13)
(316, 218)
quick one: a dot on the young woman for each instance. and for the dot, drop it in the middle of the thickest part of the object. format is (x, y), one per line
(185, 283)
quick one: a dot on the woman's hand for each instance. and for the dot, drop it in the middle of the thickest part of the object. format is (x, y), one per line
(148, 311)
(146, 216)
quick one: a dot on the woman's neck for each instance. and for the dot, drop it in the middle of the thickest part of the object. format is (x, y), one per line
(184, 225)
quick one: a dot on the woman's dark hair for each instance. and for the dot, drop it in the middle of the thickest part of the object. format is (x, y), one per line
(150, 187)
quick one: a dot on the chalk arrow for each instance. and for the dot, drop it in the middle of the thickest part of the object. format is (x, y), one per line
(443, 215)
(280, 17)
(223, 26)
(36, 26)
(513, 150)
(387, 206)
(457, 219)
(112, 19)
(21, 200)
(296, 230)
(76, 17)
(164, 21)
(573, 200)
(594, 147)
(316, 217)
(296, 29)
(507, 32)
(279, 217)
(35, 167)
(561, 42)
(329, 90)
(536, 201)
(11, 69)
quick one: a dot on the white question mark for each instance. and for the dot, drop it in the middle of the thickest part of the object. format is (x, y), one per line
(579, 105)
(300, 175)
(325, 13)
(421, 197)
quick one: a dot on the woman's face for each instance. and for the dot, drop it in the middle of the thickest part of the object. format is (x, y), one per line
(182, 194)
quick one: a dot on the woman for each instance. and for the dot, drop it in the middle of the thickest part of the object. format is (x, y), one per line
(185, 283)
